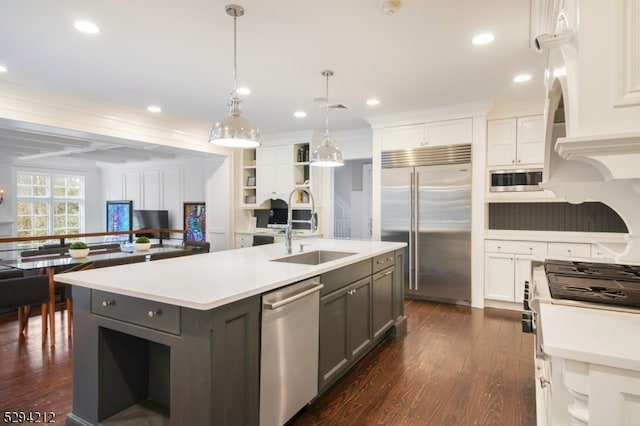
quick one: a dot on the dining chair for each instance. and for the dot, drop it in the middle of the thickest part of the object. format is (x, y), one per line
(67, 294)
(198, 247)
(11, 273)
(104, 246)
(170, 254)
(260, 240)
(103, 263)
(51, 251)
(22, 293)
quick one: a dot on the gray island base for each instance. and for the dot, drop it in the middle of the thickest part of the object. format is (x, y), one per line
(149, 357)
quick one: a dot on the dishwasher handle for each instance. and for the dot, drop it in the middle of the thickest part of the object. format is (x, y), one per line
(297, 296)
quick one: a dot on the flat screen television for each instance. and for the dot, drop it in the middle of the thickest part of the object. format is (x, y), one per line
(148, 219)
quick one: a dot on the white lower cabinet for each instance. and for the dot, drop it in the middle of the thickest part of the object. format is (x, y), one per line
(570, 392)
(543, 391)
(508, 266)
(614, 388)
(505, 275)
(244, 240)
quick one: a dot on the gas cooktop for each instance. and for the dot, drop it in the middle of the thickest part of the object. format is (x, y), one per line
(594, 282)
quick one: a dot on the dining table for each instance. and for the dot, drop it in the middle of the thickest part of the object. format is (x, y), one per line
(49, 263)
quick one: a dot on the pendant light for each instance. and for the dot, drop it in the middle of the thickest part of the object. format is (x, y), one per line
(234, 130)
(326, 154)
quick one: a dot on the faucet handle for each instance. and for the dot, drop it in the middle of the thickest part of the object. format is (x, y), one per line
(302, 247)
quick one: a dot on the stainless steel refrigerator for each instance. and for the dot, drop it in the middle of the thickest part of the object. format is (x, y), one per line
(426, 202)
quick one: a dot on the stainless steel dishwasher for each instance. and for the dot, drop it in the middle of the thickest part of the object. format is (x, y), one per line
(289, 357)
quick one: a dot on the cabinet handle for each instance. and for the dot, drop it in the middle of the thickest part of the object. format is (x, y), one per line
(389, 258)
(154, 313)
(387, 273)
(544, 382)
(107, 303)
(379, 262)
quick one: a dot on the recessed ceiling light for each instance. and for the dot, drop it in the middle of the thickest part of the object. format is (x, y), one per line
(521, 78)
(300, 114)
(373, 102)
(243, 91)
(154, 108)
(86, 27)
(3, 69)
(484, 38)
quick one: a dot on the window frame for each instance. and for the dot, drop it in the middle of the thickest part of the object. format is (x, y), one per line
(51, 199)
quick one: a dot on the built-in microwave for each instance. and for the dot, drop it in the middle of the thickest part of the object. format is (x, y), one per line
(515, 180)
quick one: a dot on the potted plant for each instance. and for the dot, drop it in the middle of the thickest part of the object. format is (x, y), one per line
(142, 243)
(79, 249)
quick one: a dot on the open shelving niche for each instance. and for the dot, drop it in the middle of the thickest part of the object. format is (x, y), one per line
(301, 178)
(249, 179)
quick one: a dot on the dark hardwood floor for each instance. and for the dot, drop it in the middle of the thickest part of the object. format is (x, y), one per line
(456, 366)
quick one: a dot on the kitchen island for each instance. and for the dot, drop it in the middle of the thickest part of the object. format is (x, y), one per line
(179, 339)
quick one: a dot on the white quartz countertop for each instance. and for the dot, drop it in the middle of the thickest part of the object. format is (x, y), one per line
(206, 281)
(594, 336)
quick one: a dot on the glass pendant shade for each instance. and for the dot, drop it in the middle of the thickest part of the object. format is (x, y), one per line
(326, 154)
(235, 131)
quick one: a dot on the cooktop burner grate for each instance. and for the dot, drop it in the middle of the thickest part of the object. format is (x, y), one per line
(594, 282)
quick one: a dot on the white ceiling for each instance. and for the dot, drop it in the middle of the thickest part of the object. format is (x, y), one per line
(179, 55)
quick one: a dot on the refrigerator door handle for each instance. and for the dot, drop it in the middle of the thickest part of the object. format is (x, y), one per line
(416, 228)
(411, 284)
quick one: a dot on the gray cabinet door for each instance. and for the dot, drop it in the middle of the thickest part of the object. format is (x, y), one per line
(399, 285)
(235, 363)
(360, 329)
(334, 336)
(382, 301)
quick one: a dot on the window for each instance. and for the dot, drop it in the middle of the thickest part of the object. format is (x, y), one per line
(49, 204)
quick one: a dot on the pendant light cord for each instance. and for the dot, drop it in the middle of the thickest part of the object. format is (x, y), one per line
(326, 107)
(235, 67)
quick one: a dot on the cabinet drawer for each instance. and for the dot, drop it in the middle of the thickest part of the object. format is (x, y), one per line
(244, 240)
(516, 247)
(569, 249)
(383, 261)
(338, 278)
(146, 313)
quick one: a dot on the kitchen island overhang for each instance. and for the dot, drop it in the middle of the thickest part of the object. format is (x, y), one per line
(186, 350)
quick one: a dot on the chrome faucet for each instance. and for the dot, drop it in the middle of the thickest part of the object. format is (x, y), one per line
(288, 230)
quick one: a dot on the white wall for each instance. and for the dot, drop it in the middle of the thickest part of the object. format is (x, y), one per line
(167, 185)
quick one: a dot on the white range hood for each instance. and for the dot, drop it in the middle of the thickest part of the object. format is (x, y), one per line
(592, 75)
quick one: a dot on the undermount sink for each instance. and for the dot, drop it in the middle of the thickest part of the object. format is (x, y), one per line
(314, 257)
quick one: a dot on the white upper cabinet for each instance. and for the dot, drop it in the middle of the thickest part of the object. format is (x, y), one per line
(274, 172)
(448, 132)
(515, 141)
(401, 137)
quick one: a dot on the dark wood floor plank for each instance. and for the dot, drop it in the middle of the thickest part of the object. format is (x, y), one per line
(457, 365)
